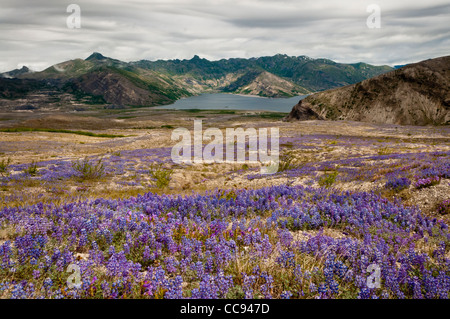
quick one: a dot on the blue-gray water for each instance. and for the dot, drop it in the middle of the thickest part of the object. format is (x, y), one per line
(222, 101)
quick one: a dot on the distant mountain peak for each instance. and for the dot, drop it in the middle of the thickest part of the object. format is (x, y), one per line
(15, 73)
(96, 56)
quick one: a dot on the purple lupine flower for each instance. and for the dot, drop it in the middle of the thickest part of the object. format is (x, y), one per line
(286, 295)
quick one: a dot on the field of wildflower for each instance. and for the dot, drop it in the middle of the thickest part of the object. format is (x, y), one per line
(361, 212)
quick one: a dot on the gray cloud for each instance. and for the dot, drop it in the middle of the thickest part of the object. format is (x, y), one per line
(35, 33)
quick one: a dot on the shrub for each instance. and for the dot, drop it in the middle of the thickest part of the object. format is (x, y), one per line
(285, 162)
(384, 151)
(160, 175)
(398, 184)
(4, 164)
(87, 171)
(31, 169)
(328, 179)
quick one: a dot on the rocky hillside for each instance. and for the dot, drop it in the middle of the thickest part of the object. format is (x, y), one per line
(416, 94)
(121, 87)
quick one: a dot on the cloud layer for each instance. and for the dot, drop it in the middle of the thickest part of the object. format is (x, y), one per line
(35, 33)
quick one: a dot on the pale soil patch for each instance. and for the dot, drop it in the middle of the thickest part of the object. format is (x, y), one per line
(4, 235)
(359, 186)
(305, 235)
(428, 198)
(81, 256)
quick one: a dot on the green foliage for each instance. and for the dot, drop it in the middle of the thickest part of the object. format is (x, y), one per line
(30, 129)
(126, 117)
(328, 179)
(269, 115)
(225, 112)
(31, 169)
(288, 161)
(160, 175)
(88, 171)
(4, 164)
(236, 292)
(193, 110)
(384, 151)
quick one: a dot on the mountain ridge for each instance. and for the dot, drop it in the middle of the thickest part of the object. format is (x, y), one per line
(150, 83)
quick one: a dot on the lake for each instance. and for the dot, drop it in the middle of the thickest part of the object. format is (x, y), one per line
(223, 101)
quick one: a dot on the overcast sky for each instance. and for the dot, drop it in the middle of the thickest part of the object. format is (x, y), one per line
(35, 32)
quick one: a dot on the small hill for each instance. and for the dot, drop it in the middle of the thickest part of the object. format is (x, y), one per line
(266, 84)
(416, 94)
